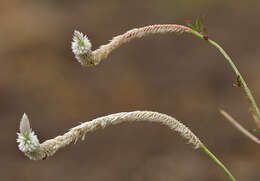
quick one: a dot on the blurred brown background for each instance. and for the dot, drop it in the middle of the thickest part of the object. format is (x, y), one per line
(178, 75)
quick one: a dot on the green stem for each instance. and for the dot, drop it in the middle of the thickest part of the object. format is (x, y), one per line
(212, 156)
(240, 79)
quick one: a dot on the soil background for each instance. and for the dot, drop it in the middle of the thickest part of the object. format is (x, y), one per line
(177, 75)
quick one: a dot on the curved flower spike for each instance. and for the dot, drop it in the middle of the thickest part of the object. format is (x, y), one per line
(29, 144)
(90, 58)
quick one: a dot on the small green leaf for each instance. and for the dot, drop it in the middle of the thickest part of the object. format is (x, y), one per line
(205, 31)
(192, 26)
(239, 81)
(197, 25)
(202, 20)
(255, 131)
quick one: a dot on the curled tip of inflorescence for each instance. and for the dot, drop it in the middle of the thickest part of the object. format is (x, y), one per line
(28, 141)
(81, 47)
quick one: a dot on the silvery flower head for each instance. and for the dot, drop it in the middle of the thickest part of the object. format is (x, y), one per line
(28, 141)
(80, 46)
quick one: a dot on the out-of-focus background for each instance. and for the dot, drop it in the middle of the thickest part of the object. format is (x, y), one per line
(178, 75)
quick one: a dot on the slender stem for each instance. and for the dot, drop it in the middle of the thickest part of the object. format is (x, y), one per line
(240, 79)
(212, 156)
(239, 127)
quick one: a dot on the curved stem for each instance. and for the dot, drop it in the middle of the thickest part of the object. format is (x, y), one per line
(240, 78)
(212, 156)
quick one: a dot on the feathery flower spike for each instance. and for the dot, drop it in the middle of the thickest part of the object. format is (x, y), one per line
(48, 148)
(36, 151)
(90, 58)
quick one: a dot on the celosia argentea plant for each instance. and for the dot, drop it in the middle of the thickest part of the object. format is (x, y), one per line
(81, 47)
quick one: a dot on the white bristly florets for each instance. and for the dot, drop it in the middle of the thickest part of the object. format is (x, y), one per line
(81, 46)
(28, 141)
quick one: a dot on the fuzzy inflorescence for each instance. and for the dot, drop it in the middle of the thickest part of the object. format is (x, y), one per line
(28, 141)
(49, 147)
(89, 58)
(81, 47)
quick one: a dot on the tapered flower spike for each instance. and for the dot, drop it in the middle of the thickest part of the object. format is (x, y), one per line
(90, 58)
(50, 147)
(28, 141)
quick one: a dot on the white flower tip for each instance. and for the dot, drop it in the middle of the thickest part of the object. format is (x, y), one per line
(81, 47)
(28, 141)
(25, 124)
(80, 43)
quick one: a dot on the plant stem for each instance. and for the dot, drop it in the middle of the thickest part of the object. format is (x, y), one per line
(212, 156)
(240, 79)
